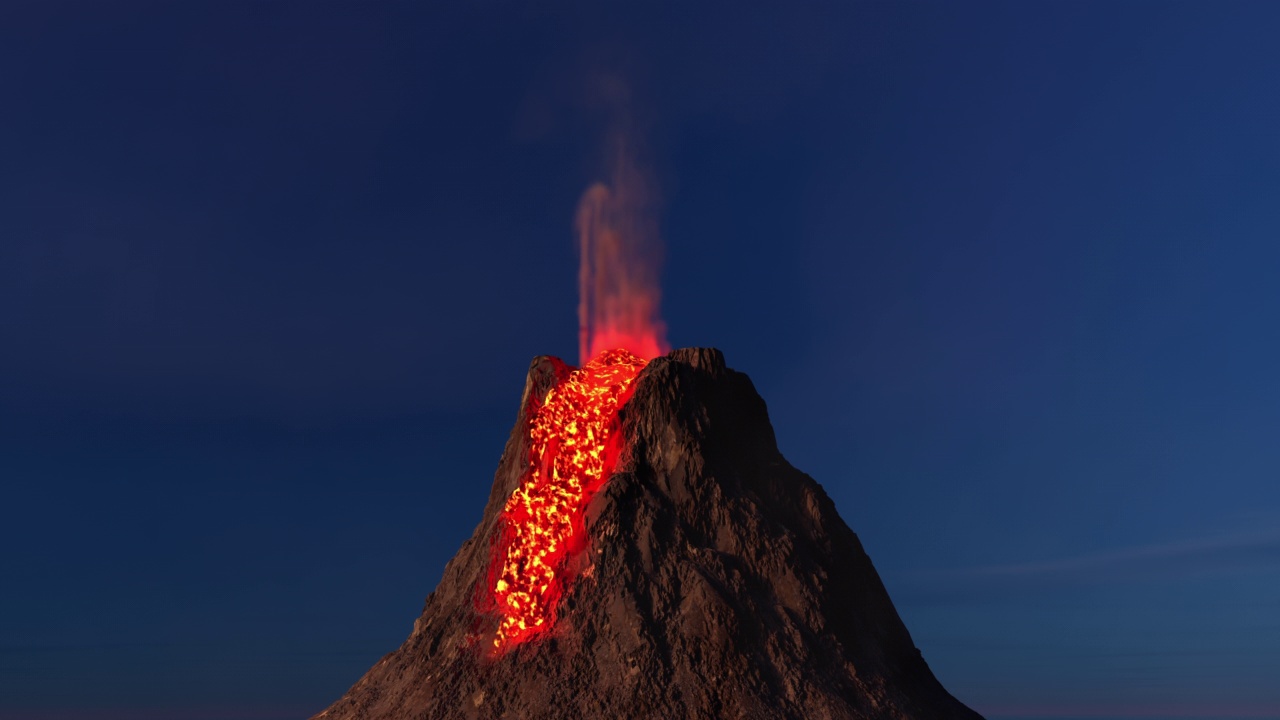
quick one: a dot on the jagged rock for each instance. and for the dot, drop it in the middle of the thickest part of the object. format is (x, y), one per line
(718, 582)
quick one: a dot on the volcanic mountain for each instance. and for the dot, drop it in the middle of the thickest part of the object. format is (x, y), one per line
(695, 575)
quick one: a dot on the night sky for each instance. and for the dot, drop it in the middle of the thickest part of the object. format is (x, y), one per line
(271, 274)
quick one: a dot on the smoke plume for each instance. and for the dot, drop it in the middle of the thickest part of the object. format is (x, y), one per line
(620, 254)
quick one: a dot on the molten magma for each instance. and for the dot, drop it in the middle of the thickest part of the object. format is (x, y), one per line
(542, 522)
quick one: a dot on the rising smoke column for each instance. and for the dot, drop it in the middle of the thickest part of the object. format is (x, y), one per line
(619, 257)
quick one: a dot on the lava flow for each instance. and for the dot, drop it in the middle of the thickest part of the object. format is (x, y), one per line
(542, 522)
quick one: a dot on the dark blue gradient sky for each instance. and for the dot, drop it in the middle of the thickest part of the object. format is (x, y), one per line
(271, 274)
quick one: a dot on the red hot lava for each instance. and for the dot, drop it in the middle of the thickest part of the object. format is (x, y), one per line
(542, 522)
(619, 331)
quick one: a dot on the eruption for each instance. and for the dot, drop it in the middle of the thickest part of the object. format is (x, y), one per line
(569, 452)
(717, 581)
(619, 255)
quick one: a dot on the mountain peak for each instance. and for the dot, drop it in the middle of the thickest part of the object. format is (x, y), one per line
(712, 580)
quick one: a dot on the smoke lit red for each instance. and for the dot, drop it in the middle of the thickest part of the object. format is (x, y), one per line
(542, 522)
(619, 254)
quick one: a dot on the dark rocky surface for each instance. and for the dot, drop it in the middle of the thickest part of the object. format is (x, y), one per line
(719, 582)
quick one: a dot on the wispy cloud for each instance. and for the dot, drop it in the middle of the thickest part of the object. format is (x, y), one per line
(1259, 550)
(1169, 561)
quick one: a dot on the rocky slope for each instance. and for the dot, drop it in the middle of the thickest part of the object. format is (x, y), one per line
(718, 582)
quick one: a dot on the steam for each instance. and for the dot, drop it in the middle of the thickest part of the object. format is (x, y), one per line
(620, 254)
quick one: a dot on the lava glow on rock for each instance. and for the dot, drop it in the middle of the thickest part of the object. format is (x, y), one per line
(542, 522)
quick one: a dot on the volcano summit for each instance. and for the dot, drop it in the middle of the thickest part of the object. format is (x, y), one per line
(646, 552)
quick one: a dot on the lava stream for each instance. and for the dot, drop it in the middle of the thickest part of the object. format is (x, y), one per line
(542, 523)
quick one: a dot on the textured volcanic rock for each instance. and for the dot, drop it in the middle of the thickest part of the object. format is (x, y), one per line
(719, 582)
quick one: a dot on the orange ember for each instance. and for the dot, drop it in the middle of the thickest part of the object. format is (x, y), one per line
(542, 522)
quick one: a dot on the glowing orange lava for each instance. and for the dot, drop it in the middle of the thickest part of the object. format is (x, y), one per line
(542, 522)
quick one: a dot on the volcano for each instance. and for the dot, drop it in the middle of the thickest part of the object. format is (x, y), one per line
(647, 552)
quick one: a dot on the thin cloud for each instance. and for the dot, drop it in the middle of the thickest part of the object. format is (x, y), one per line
(1242, 551)
(1172, 561)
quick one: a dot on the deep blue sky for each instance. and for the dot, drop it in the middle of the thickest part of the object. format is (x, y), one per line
(1007, 274)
